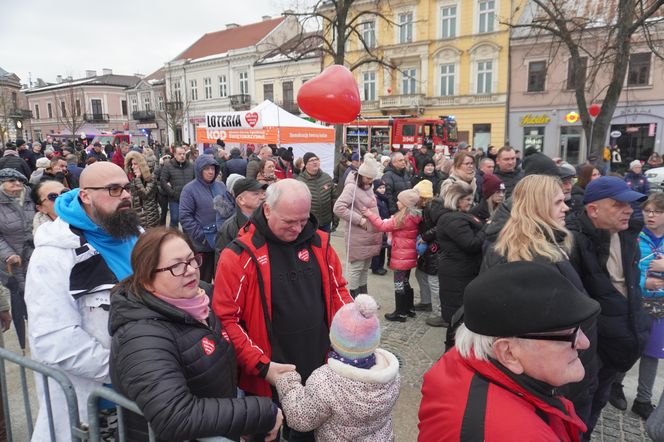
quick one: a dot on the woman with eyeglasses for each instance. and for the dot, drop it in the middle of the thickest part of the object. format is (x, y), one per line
(170, 354)
(535, 231)
(463, 169)
(44, 195)
(16, 213)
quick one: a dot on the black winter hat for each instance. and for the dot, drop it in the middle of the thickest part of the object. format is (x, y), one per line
(539, 164)
(523, 297)
(307, 156)
(20, 142)
(286, 154)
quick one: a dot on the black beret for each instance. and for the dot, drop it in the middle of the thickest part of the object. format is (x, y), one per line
(522, 297)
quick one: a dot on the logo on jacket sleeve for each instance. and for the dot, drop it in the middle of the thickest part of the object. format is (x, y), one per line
(208, 346)
(303, 255)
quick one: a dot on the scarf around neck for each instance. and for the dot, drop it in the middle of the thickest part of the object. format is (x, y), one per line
(198, 306)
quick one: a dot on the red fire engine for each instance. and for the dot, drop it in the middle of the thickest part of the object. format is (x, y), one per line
(402, 131)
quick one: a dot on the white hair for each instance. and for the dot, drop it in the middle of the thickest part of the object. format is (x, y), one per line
(466, 341)
(274, 192)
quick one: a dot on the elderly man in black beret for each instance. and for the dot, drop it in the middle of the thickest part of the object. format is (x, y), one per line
(519, 343)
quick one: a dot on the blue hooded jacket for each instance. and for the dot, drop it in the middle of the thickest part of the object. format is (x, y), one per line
(204, 206)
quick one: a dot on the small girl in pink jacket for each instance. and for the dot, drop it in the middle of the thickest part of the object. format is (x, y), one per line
(403, 226)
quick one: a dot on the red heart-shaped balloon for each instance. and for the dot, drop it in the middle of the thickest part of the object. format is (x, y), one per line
(594, 110)
(332, 96)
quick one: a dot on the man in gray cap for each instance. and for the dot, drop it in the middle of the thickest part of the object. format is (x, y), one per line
(519, 343)
(249, 195)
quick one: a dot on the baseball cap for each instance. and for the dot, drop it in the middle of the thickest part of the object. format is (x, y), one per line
(611, 187)
(247, 184)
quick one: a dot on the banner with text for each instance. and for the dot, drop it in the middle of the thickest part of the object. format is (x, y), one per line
(233, 120)
(267, 135)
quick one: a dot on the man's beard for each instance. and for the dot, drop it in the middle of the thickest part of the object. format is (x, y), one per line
(121, 224)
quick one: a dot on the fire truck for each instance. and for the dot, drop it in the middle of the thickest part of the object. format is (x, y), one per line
(401, 131)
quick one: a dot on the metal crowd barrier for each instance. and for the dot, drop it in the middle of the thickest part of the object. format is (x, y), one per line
(122, 403)
(79, 432)
(47, 374)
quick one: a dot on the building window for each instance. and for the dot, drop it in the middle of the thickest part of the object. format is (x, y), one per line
(63, 109)
(134, 104)
(177, 92)
(406, 27)
(207, 83)
(36, 111)
(49, 109)
(78, 107)
(96, 108)
(487, 15)
(369, 34)
(147, 101)
(484, 77)
(536, 76)
(287, 91)
(408, 81)
(268, 92)
(244, 83)
(15, 99)
(369, 86)
(481, 135)
(576, 73)
(160, 102)
(223, 87)
(639, 69)
(123, 105)
(193, 84)
(449, 18)
(447, 77)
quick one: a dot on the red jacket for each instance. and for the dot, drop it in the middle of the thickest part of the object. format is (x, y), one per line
(510, 411)
(404, 239)
(282, 173)
(238, 298)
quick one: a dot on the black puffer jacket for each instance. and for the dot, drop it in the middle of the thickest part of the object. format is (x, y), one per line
(174, 176)
(460, 237)
(510, 179)
(17, 163)
(623, 325)
(428, 261)
(180, 372)
(395, 182)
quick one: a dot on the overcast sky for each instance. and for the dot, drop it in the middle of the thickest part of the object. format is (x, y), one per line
(44, 38)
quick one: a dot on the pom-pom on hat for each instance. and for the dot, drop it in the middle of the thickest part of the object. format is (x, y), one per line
(286, 154)
(369, 168)
(355, 331)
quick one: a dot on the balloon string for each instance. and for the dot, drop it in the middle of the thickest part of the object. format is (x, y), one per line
(350, 218)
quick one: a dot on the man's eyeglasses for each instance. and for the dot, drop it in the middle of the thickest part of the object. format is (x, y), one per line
(53, 196)
(179, 268)
(114, 190)
(572, 337)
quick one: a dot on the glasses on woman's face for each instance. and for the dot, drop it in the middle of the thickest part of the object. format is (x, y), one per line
(53, 196)
(571, 337)
(179, 268)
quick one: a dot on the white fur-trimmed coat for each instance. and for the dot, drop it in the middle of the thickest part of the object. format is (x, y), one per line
(343, 403)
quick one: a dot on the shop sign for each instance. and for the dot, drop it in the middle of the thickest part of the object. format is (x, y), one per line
(535, 120)
(616, 134)
(147, 126)
(572, 117)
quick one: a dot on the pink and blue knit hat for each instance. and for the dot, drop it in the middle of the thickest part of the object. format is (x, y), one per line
(355, 331)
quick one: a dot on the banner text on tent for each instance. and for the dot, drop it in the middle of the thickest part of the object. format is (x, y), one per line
(267, 135)
(233, 120)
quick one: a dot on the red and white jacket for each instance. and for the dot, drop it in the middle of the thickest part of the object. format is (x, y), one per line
(241, 286)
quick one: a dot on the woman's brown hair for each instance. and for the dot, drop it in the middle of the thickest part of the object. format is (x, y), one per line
(460, 157)
(585, 174)
(145, 257)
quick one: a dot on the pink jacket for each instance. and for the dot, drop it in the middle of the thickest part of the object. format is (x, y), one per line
(404, 239)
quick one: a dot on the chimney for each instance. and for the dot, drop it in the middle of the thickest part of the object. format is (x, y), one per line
(58, 79)
(90, 73)
(266, 18)
(232, 26)
(107, 71)
(69, 78)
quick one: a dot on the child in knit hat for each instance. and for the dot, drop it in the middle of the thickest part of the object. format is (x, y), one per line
(404, 228)
(352, 396)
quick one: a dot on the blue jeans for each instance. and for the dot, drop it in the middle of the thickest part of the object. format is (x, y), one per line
(174, 208)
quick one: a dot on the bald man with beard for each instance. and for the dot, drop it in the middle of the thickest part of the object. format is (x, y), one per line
(78, 258)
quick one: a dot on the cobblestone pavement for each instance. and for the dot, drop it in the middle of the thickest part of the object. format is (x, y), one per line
(418, 346)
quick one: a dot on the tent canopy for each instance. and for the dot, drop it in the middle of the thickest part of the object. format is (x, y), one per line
(268, 123)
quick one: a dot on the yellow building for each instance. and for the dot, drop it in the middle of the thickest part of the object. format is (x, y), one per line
(452, 58)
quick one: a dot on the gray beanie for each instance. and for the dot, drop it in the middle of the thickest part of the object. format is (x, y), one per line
(9, 174)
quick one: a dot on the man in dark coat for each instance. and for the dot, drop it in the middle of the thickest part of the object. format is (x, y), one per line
(26, 154)
(606, 256)
(506, 169)
(235, 164)
(249, 195)
(321, 188)
(175, 174)
(422, 156)
(396, 179)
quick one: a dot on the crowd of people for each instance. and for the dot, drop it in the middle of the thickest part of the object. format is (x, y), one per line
(239, 318)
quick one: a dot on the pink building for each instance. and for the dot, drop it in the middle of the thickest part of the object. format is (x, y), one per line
(82, 107)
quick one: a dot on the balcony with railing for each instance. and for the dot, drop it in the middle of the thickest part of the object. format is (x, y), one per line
(413, 101)
(143, 115)
(371, 105)
(466, 100)
(240, 102)
(96, 118)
